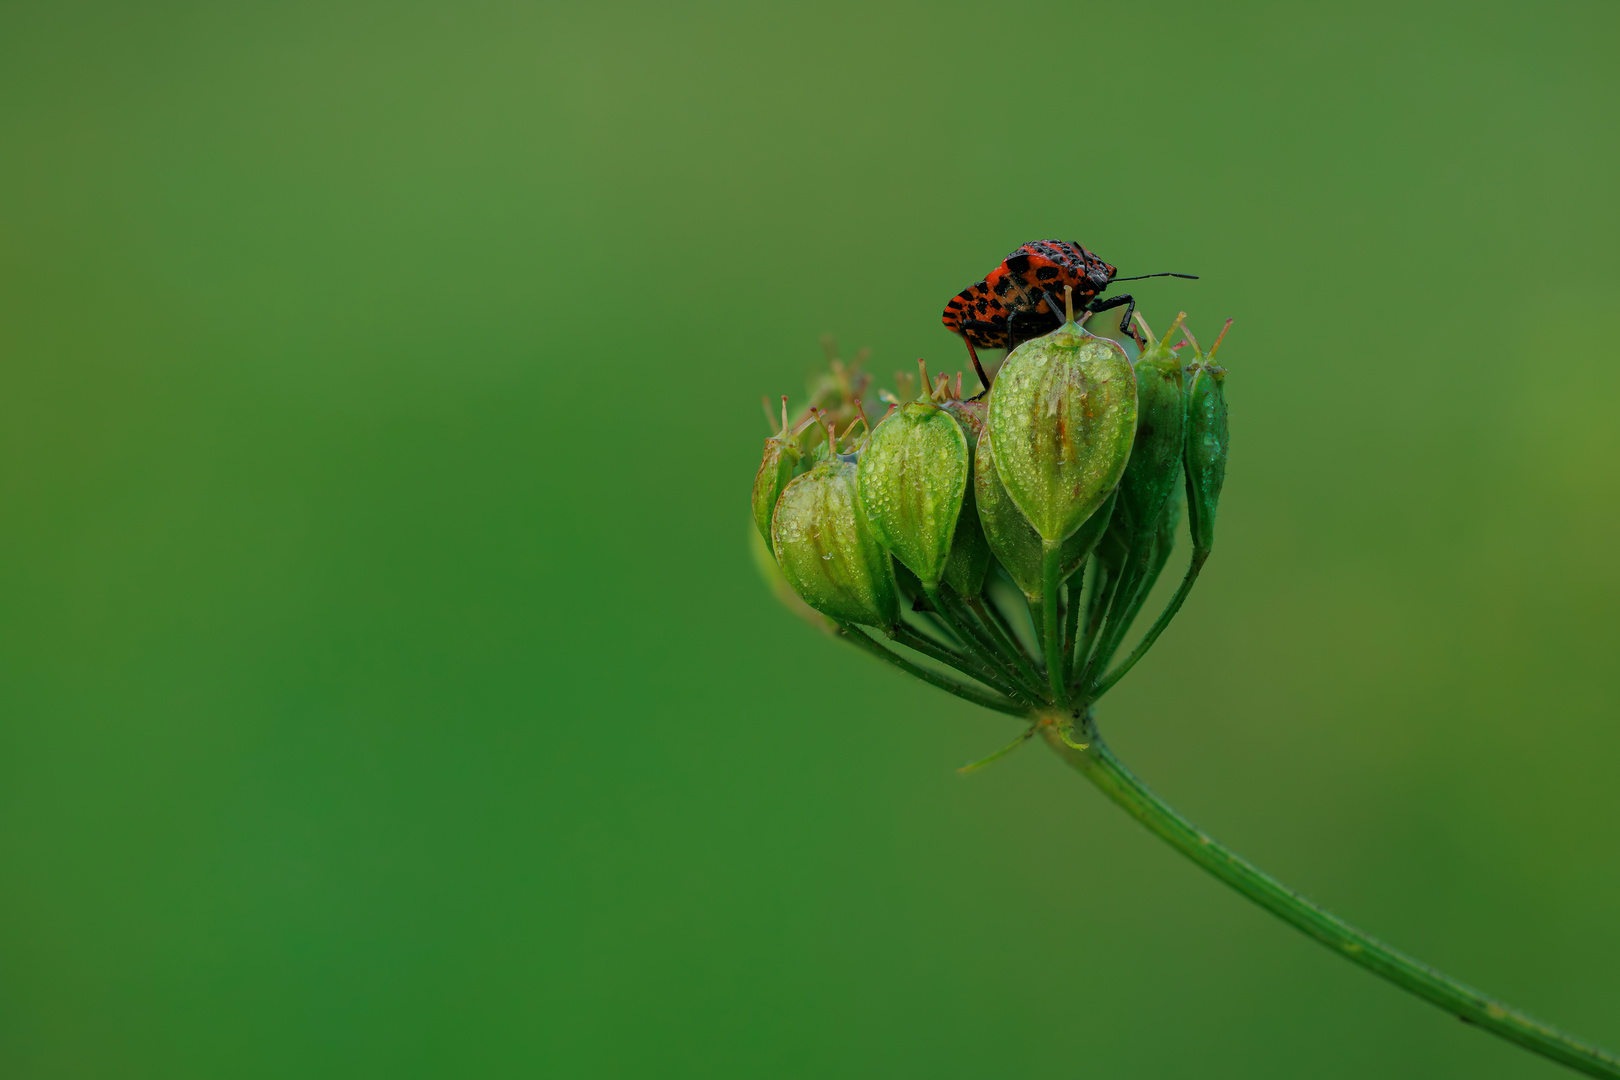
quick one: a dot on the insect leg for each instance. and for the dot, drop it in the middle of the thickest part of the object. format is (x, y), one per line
(978, 368)
(1051, 302)
(1125, 326)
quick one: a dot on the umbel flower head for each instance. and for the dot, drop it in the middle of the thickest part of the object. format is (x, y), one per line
(998, 547)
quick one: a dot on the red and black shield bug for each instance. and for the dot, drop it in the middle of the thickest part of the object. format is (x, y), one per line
(1018, 300)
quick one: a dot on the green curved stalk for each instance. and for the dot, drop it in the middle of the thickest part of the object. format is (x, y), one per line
(858, 637)
(985, 652)
(996, 624)
(1096, 607)
(1118, 622)
(967, 665)
(991, 759)
(1052, 632)
(1103, 769)
(1071, 620)
(990, 644)
(1107, 682)
(1144, 588)
(940, 627)
(1008, 634)
(1037, 622)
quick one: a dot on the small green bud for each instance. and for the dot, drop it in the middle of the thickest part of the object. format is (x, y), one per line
(1207, 441)
(827, 551)
(1063, 414)
(782, 457)
(1161, 417)
(912, 477)
(1010, 535)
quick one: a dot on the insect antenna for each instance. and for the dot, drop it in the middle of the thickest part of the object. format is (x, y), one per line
(1167, 273)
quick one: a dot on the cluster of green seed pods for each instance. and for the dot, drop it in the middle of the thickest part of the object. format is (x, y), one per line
(1075, 457)
(1063, 491)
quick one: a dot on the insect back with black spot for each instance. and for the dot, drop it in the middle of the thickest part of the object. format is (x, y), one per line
(1021, 299)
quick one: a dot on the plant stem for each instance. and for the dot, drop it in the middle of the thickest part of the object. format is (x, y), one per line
(968, 666)
(986, 655)
(1160, 554)
(1007, 661)
(1105, 684)
(1051, 572)
(991, 759)
(1071, 620)
(1037, 622)
(940, 627)
(1096, 607)
(1120, 612)
(996, 624)
(1103, 769)
(858, 637)
(1005, 625)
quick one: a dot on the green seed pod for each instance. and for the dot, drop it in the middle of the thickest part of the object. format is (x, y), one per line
(1164, 542)
(1063, 413)
(1169, 521)
(1161, 417)
(828, 553)
(1010, 535)
(1207, 442)
(912, 478)
(774, 473)
(765, 563)
(782, 457)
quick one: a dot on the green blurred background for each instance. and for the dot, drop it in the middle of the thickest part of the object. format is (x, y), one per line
(385, 689)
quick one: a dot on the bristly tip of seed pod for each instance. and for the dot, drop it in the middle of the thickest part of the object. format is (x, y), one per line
(1155, 344)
